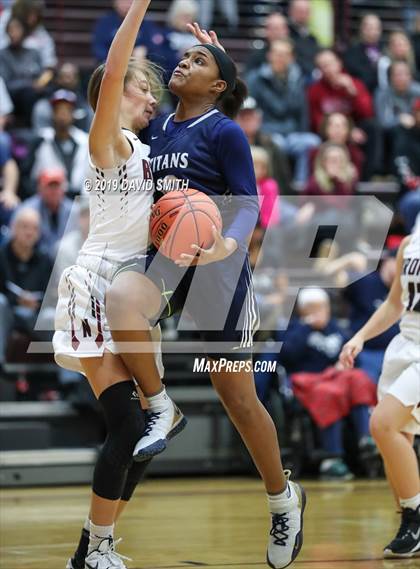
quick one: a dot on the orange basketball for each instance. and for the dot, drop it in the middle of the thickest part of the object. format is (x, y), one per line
(183, 218)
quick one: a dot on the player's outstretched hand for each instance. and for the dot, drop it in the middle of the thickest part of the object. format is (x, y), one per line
(350, 351)
(221, 248)
(203, 36)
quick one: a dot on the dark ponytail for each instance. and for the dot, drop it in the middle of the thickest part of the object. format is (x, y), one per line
(229, 103)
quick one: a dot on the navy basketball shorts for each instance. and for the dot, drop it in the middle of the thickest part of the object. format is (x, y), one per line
(219, 297)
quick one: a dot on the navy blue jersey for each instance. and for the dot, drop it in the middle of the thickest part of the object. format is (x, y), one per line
(212, 154)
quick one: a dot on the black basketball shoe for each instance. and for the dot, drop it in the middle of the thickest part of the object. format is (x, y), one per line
(407, 541)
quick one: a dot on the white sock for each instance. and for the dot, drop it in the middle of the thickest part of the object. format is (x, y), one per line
(412, 503)
(98, 534)
(159, 402)
(86, 525)
(283, 502)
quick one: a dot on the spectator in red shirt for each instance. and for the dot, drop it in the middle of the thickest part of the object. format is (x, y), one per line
(338, 91)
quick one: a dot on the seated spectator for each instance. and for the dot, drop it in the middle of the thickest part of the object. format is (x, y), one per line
(228, 9)
(278, 88)
(361, 59)
(306, 44)
(338, 92)
(250, 120)
(334, 175)
(30, 12)
(336, 128)
(57, 212)
(67, 78)
(22, 70)
(334, 178)
(61, 146)
(107, 26)
(399, 48)
(310, 353)
(364, 297)
(24, 274)
(167, 44)
(275, 28)
(9, 173)
(267, 187)
(407, 163)
(394, 103)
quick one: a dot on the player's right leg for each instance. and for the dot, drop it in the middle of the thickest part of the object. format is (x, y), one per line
(131, 303)
(387, 423)
(125, 420)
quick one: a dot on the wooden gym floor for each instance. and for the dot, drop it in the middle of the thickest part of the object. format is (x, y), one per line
(215, 523)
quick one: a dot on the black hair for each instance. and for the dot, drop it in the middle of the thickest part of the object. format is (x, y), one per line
(230, 102)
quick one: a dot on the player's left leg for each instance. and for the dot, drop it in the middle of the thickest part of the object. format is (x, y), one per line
(286, 499)
(135, 475)
(387, 422)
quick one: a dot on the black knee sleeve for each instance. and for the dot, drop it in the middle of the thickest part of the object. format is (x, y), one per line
(125, 421)
(135, 475)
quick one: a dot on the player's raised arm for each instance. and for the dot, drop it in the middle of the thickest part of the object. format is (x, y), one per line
(105, 134)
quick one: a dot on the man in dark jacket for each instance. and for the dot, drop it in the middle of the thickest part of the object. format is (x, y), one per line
(361, 59)
(24, 274)
(306, 44)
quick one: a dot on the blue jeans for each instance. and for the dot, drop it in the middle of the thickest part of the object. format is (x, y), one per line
(409, 207)
(332, 436)
(371, 362)
(298, 145)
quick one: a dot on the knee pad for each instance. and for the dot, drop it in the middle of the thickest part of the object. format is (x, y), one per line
(135, 475)
(125, 421)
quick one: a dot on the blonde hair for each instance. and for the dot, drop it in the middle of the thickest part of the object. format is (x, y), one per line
(320, 174)
(411, 58)
(152, 73)
(260, 154)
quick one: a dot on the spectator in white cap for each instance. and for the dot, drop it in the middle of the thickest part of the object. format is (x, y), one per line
(310, 353)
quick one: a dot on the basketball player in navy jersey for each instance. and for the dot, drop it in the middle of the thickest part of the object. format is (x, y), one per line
(199, 143)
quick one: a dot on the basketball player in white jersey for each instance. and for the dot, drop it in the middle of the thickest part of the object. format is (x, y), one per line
(121, 92)
(396, 419)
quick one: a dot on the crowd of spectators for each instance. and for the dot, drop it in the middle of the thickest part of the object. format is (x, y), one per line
(318, 121)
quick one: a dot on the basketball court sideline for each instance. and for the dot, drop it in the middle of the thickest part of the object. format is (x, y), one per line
(214, 523)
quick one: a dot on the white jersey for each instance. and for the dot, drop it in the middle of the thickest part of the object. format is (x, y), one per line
(410, 283)
(120, 201)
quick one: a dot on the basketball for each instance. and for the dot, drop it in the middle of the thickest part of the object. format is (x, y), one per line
(183, 218)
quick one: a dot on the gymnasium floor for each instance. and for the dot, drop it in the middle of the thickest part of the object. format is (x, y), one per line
(216, 523)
